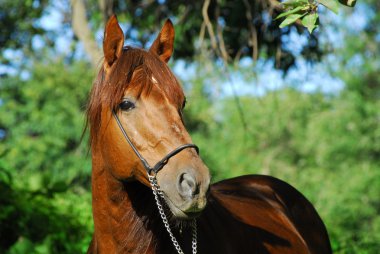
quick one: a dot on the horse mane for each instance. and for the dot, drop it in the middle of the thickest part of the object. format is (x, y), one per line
(135, 68)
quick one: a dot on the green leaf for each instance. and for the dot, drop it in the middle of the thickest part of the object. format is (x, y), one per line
(310, 21)
(330, 4)
(289, 12)
(291, 19)
(349, 3)
(294, 3)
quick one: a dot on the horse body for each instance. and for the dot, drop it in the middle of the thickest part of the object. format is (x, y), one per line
(248, 214)
(269, 216)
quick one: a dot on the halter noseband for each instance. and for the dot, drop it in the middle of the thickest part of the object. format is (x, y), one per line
(159, 165)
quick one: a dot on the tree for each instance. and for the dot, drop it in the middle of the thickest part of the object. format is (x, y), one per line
(231, 35)
(307, 11)
(229, 29)
(17, 23)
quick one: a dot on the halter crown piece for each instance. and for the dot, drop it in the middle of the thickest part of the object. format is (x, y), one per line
(158, 194)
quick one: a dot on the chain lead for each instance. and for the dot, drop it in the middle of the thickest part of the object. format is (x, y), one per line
(158, 193)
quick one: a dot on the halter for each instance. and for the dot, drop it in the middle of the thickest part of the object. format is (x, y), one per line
(156, 188)
(159, 165)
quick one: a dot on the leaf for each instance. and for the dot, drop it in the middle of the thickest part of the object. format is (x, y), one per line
(291, 19)
(289, 12)
(349, 3)
(330, 4)
(294, 3)
(310, 21)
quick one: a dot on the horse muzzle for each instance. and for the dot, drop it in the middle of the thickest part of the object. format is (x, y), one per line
(187, 196)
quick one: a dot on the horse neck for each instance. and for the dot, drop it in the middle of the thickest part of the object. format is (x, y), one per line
(124, 214)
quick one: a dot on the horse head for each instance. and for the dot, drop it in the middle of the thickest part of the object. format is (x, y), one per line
(135, 115)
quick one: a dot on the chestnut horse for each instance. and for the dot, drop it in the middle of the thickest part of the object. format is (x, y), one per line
(135, 119)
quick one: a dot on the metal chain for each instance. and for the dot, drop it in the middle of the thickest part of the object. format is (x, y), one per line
(194, 240)
(158, 193)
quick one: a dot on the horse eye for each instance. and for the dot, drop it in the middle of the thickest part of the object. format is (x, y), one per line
(184, 103)
(126, 105)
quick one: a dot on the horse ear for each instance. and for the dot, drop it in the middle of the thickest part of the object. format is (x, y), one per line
(113, 41)
(163, 45)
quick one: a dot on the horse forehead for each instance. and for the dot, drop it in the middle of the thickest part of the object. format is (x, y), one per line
(174, 94)
(154, 80)
(160, 93)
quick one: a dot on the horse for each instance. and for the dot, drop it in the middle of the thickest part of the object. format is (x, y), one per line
(135, 119)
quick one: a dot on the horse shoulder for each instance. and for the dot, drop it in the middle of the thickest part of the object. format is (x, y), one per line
(272, 205)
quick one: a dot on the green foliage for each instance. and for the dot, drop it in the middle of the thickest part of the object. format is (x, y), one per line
(333, 5)
(328, 146)
(39, 223)
(323, 146)
(42, 117)
(307, 11)
(235, 25)
(17, 22)
(44, 169)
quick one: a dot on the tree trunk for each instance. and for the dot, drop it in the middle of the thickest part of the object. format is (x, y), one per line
(83, 32)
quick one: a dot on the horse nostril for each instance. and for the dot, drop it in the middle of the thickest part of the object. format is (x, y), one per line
(187, 186)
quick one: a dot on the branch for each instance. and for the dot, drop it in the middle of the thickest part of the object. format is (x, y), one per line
(219, 30)
(252, 30)
(208, 24)
(106, 7)
(82, 31)
(202, 33)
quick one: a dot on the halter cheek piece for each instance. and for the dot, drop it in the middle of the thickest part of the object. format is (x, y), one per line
(159, 165)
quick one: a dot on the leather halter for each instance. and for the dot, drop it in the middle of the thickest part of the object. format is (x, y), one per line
(159, 165)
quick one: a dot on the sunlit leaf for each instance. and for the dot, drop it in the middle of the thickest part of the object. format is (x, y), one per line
(330, 4)
(295, 10)
(290, 3)
(291, 19)
(310, 21)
